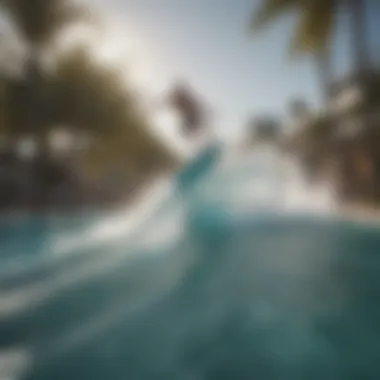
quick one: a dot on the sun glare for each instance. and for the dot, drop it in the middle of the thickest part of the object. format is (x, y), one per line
(111, 45)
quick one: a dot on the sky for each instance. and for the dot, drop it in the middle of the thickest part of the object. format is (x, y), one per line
(206, 41)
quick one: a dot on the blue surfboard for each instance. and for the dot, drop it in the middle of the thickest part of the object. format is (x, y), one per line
(198, 168)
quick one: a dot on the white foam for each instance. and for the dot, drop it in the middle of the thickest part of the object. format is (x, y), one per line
(269, 182)
(14, 364)
(265, 179)
(118, 228)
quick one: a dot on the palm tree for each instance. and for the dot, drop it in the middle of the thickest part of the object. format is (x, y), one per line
(90, 98)
(361, 57)
(299, 109)
(314, 30)
(39, 22)
(84, 98)
(264, 129)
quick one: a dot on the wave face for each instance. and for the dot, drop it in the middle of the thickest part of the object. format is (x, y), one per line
(248, 275)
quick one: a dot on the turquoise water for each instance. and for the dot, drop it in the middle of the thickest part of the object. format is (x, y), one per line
(231, 295)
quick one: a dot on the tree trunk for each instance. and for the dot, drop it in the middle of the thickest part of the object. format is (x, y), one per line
(34, 126)
(323, 68)
(361, 59)
(36, 110)
(33, 107)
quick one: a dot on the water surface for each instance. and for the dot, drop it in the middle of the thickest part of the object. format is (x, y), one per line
(257, 286)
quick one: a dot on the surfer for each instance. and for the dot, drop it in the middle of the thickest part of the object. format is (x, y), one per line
(195, 125)
(191, 110)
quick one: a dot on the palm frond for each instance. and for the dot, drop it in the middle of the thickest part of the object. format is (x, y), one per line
(269, 10)
(314, 29)
(40, 20)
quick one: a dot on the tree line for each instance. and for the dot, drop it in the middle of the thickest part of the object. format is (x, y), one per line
(75, 92)
(341, 138)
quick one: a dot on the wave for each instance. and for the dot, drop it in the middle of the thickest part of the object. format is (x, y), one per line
(262, 181)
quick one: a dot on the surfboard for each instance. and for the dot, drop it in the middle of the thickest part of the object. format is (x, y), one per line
(199, 167)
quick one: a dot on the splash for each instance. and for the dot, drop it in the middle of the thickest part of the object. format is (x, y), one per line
(266, 181)
(263, 182)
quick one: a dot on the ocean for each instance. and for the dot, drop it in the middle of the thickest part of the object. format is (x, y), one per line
(250, 275)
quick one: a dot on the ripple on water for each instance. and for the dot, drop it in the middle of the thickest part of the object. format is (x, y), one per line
(265, 295)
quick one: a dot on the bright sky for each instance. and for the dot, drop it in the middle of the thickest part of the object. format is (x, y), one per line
(206, 42)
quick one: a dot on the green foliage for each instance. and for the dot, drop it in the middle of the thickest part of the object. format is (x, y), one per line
(313, 137)
(89, 97)
(270, 10)
(78, 94)
(318, 130)
(372, 101)
(39, 21)
(265, 128)
(314, 26)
